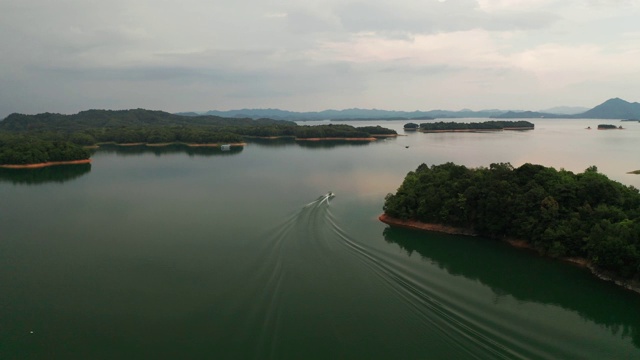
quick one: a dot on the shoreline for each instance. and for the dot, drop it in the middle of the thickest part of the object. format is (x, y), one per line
(166, 144)
(385, 135)
(516, 243)
(45, 164)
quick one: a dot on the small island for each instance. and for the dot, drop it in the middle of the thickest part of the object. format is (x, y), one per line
(411, 127)
(584, 218)
(22, 151)
(609, 127)
(475, 127)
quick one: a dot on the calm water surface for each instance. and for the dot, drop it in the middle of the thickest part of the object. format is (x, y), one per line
(169, 253)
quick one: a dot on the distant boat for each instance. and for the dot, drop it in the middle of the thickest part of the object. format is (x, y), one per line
(225, 147)
(330, 195)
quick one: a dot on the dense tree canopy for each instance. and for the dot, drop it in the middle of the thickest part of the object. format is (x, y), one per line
(92, 119)
(46, 137)
(24, 149)
(486, 125)
(558, 212)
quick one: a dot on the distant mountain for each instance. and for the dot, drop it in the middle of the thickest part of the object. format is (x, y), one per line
(565, 110)
(615, 108)
(347, 114)
(531, 115)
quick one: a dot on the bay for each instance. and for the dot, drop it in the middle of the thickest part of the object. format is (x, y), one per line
(165, 253)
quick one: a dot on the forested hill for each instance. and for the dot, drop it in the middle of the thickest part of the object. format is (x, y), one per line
(92, 119)
(557, 212)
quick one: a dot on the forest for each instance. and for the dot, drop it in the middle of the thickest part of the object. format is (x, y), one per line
(557, 212)
(25, 149)
(28, 139)
(486, 125)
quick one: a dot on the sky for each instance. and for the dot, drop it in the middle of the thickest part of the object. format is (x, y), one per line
(66, 56)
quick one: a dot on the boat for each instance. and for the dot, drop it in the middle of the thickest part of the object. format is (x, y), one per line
(330, 195)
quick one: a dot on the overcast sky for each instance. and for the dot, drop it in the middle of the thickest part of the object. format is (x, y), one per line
(305, 55)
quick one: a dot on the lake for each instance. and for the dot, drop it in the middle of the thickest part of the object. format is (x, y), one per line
(198, 253)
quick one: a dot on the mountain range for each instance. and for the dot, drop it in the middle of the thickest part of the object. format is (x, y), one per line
(615, 108)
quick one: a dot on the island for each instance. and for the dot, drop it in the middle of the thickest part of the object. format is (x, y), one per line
(23, 151)
(50, 139)
(609, 127)
(584, 218)
(441, 126)
(411, 127)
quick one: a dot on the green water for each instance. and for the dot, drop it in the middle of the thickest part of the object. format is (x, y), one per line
(174, 253)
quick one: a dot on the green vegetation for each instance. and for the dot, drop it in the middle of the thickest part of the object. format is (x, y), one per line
(487, 125)
(156, 135)
(608, 127)
(52, 137)
(636, 172)
(411, 126)
(25, 149)
(377, 130)
(92, 119)
(145, 126)
(559, 213)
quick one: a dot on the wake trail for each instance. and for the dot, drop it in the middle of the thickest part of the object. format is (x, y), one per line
(306, 248)
(415, 294)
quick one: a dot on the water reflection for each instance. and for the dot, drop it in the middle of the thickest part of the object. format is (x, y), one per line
(275, 142)
(290, 141)
(170, 149)
(49, 174)
(525, 277)
(326, 144)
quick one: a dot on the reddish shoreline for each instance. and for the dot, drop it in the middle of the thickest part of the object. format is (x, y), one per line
(45, 164)
(417, 225)
(170, 143)
(521, 244)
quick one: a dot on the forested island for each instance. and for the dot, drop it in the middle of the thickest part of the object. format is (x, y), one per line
(53, 138)
(411, 127)
(608, 127)
(585, 217)
(25, 149)
(441, 126)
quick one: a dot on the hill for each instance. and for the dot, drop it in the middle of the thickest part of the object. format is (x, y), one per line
(347, 114)
(615, 108)
(530, 115)
(116, 118)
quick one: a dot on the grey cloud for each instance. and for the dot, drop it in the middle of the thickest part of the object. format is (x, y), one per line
(385, 18)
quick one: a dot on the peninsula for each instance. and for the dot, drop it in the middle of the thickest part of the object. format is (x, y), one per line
(584, 218)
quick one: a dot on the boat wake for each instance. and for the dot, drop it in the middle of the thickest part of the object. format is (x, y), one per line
(310, 266)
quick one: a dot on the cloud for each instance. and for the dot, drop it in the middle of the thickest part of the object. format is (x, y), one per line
(68, 55)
